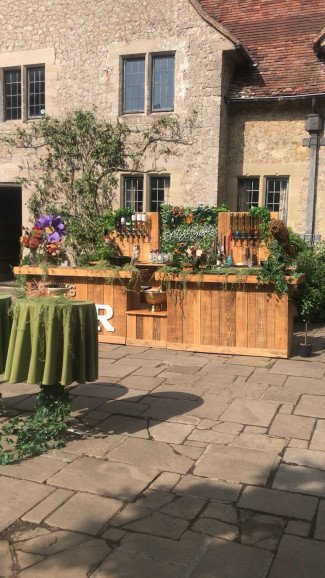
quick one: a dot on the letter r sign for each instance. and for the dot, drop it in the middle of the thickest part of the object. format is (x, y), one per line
(104, 314)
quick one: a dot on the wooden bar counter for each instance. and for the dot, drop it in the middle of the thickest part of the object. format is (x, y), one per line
(228, 314)
(105, 287)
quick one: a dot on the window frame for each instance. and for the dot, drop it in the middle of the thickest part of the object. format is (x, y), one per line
(166, 177)
(283, 210)
(6, 71)
(126, 59)
(249, 204)
(28, 70)
(134, 201)
(155, 56)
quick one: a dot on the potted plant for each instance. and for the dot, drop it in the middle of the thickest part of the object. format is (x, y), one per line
(307, 303)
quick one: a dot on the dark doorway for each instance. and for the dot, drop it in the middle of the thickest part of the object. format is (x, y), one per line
(10, 229)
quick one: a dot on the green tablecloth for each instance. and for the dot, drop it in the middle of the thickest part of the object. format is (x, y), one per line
(53, 341)
(5, 323)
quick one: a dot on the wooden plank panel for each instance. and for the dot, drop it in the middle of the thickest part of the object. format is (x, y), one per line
(120, 308)
(188, 310)
(257, 352)
(228, 318)
(282, 323)
(261, 318)
(81, 286)
(90, 290)
(131, 327)
(251, 314)
(206, 315)
(241, 318)
(215, 314)
(147, 328)
(98, 291)
(270, 320)
(163, 329)
(175, 317)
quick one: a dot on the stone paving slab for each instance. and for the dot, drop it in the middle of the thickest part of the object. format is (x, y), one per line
(75, 562)
(17, 497)
(116, 480)
(301, 480)
(311, 405)
(182, 551)
(229, 560)
(299, 558)
(235, 464)
(318, 439)
(278, 503)
(84, 513)
(208, 488)
(250, 412)
(292, 426)
(298, 368)
(158, 454)
(42, 510)
(36, 469)
(127, 564)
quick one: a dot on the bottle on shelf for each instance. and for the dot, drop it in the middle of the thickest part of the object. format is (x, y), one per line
(128, 225)
(134, 223)
(122, 225)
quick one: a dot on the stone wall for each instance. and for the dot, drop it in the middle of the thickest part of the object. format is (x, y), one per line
(267, 141)
(81, 42)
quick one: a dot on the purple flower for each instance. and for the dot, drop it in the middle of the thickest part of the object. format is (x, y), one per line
(53, 226)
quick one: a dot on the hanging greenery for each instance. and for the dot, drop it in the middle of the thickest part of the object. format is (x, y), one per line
(44, 430)
(189, 227)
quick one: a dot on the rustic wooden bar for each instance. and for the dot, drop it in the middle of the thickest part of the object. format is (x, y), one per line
(102, 286)
(228, 314)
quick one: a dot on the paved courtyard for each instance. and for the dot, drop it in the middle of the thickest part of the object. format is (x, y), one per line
(183, 465)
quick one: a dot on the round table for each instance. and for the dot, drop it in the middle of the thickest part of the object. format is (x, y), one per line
(53, 340)
(5, 323)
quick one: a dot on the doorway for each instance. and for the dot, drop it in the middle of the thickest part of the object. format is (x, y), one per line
(10, 229)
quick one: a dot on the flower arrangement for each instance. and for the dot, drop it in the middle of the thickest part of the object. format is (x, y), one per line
(45, 239)
(196, 255)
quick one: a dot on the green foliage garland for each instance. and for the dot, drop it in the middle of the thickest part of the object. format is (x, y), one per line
(183, 227)
(42, 431)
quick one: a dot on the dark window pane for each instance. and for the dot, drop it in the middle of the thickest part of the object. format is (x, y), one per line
(248, 194)
(276, 192)
(163, 73)
(158, 189)
(12, 85)
(133, 193)
(133, 85)
(36, 92)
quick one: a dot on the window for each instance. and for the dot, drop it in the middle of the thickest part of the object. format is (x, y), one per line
(158, 192)
(133, 193)
(163, 70)
(35, 92)
(24, 93)
(12, 94)
(133, 85)
(276, 195)
(248, 194)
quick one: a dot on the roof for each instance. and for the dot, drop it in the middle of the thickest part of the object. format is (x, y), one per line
(282, 38)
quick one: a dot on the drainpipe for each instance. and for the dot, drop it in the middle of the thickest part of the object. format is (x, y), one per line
(314, 125)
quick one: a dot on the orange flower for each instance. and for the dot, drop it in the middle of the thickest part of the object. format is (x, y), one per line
(189, 219)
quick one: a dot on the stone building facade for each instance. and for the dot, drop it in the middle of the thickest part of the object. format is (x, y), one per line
(232, 68)
(82, 46)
